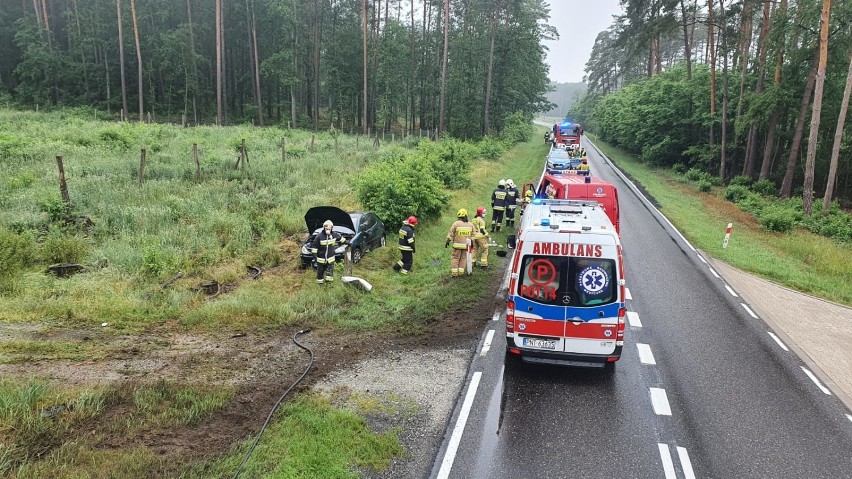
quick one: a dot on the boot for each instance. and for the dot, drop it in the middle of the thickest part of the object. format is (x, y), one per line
(492, 227)
(498, 228)
(397, 267)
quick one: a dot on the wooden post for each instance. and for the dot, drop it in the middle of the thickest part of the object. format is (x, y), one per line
(283, 149)
(183, 120)
(244, 153)
(63, 187)
(142, 167)
(149, 117)
(336, 146)
(376, 141)
(383, 136)
(197, 164)
(393, 137)
(312, 142)
(356, 141)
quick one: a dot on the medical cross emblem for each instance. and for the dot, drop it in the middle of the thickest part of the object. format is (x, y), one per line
(593, 280)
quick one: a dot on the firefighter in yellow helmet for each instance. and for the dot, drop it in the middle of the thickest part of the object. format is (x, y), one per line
(480, 235)
(460, 235)
(583, 167)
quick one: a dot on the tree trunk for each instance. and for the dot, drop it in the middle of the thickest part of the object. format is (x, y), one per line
(486, 124)
(124, 106)
(711, 33)
(413, 79)
(687, 48)
(256, 67)
(443, 102)
(808, 194)
(838, 137)
(787, 184)
(723, 154)
(139, 81)
(194, 63)
(766, 164)
(751, 150)
(364, 97)
(219, 117)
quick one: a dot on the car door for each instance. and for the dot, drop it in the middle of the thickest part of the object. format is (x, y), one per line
(365, 228)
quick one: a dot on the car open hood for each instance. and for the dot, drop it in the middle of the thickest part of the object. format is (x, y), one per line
(317, 215)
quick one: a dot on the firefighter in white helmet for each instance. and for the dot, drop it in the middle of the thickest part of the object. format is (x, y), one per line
(498, 204)
(511, 203)
(323, 248)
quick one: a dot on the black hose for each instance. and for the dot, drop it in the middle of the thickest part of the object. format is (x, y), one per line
(278, 403)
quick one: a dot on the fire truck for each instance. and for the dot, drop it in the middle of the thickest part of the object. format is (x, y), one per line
(566, 288)
(567, 133)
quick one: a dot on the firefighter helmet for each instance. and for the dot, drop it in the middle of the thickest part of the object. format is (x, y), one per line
(480, 211)
(412, 221)
(529, 194)
(510, 183)
(501, 183)
(328, 224)
(462, 213)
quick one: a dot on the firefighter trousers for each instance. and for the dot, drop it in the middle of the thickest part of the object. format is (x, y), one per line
(497, 219)
(480, 250)
(458, 262)
(325, 272)
(404, 265)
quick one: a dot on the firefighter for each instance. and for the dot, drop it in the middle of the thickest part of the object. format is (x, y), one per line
(511, 203)
(460, 234)
(583, 167)
(480, 235)
(406, 245)
(323, 249)
(498, 204)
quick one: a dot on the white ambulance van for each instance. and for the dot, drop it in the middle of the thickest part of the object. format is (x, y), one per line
(566, 288)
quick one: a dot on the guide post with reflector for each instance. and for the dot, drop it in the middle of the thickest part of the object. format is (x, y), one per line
(727, 235)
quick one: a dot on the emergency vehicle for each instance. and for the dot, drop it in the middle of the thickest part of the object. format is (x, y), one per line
(567, 133)
(560, 159)
(558, 185)
(566, 288)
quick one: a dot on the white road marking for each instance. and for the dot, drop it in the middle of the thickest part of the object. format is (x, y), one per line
(497, 313)
(666, 456)
(627, 295)
(849, 417)
(660, 402)
(702, 259)
(685, 463)
(731, 291)
(815, 380)
(486, 345)
(633, 318)
(778, 340)
(645, 354)
(455, 439)
(749, 311)
(714, 272)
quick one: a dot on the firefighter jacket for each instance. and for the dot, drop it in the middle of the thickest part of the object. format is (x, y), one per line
(460, 232)
(324, 245)
(479, 228)
(406, 238)
(583, 167)
(512, 198)
(498, 198)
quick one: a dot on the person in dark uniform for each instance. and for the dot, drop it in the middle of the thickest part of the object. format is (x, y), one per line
(406, 245)
(323, 248)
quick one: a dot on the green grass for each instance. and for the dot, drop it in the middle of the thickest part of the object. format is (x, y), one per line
(800, 260)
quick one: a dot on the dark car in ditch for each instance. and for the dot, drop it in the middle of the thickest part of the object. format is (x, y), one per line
(363, 230)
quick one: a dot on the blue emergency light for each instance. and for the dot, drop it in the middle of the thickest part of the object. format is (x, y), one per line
(536, 201)
(545, 222)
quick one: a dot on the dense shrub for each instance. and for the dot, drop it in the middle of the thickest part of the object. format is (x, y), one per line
(60, 247)
(517, 128)
(397, 189)
(765, 188)
(16, 252)
(678, 168)
(777, 218)
(741, 180)
(694, 174)
(450, 161)
(704, 185)
(114, 137)
(752, 203)
(836, 225)
(491, 148)
(735, 193)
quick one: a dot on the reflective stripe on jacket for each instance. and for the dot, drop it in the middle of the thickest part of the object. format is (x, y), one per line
(512, 198)
(498, 199)
(406, 238)
(324, 245)
(479, 227)
(460, 233)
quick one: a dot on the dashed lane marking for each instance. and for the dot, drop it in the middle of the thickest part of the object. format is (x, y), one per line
(455, 439)
(666, 456)
(778, 340)
(714, 272)
(646, 356)
(749, 311)
(660, 402)
(633, 318)
(627, 295)
(486, 345)
(816, 381)
(685, 463)
(731, 291)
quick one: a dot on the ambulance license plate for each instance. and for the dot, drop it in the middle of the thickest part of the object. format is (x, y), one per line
(540, 343)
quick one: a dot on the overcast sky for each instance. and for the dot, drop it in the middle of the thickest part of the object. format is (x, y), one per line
(578, 23)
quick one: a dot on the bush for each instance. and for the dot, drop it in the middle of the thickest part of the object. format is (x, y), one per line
(60, 247)
(398, 189)
(704, 185)
(765, 188)
(491, 148)
(517, 128)
(776, 218)
(16, 253)
(450, 161)
(741, 180)
(678, 168)
(735, 193)
(752, 203)
(114, 137)
(835, 225)
(694, 174)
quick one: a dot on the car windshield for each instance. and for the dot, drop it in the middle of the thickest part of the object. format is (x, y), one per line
(568, 281)
(356, 219)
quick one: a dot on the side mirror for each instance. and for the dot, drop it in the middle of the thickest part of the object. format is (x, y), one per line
(512, 241)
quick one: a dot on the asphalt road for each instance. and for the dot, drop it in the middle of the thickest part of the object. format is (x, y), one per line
(701, 389)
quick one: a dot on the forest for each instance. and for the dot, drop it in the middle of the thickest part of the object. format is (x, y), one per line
(460, 67)
(746, 88)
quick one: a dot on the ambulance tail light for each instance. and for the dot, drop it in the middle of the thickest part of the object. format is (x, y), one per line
(622, 312)
(510, 316)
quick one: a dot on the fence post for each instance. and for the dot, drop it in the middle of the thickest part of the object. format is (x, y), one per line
(63, 187)
(197, 164)
(142, 167)
(244, 153)
(312, 143)
(283, 149)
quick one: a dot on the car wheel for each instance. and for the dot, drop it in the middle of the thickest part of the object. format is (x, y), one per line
(356, 255)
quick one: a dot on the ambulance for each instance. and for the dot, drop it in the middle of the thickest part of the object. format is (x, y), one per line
(565, 298)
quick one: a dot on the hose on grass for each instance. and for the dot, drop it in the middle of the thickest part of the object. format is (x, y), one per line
(280, 400)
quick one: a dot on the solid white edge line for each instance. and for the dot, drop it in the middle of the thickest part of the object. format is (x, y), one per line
(778, 340)
(685, 463)
(731, 291)
(627, 294)
(646, 356)
(815, 380)
(486, 345)
(660, 402)
(849, 417)
(455, 439)
(749, 311)
(702, 259)
(633, 319)
(666, 456)
(714, 272)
